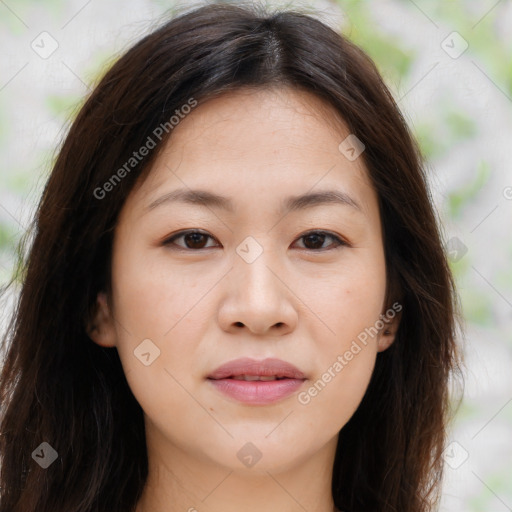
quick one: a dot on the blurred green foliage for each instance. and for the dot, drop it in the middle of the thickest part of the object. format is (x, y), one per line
(390, 55)
(61, 105)
(6, 236)
(443, 130)
(466, 194)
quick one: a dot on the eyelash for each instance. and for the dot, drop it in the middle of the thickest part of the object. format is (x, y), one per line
(170, 241)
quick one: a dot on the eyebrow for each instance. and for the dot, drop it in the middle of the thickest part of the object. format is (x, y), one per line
(290, 204)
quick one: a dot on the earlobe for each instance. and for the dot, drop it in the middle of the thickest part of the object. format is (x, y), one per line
(101, 329)
(387, 334)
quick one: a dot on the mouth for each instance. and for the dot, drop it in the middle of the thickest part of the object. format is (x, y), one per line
(257, 382)
(251, 369)
(252, 378)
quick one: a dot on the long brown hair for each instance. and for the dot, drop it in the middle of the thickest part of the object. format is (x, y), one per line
(59, 387)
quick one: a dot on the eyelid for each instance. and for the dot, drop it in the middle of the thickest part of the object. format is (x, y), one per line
(339, 240)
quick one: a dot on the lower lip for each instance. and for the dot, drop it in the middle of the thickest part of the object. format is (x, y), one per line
(257, 392)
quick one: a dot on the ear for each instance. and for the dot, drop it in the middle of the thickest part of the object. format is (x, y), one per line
(387, 334)
(101, 329)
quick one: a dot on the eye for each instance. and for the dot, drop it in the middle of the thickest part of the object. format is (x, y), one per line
(313, 240)
(193, 239)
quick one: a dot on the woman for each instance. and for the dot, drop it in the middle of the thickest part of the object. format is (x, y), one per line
(236, 296)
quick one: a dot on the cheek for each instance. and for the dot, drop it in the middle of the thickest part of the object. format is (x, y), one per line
(152, 297)
(349, 304)
(349, 299)
(159, 313)
(164, 304)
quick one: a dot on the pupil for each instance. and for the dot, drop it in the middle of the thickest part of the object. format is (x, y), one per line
(195, 239)
(316, 238)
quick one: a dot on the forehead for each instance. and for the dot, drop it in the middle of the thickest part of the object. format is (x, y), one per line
(247, 121)
(257, 141)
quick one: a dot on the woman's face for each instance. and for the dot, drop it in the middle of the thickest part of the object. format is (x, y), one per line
(267, 276)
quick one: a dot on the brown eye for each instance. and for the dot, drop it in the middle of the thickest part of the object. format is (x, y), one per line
(194, 240)
(314, 240)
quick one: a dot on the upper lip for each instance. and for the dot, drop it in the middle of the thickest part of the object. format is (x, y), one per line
(265, 368)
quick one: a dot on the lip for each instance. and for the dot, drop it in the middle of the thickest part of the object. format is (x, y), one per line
(264, 368)
(257, 392)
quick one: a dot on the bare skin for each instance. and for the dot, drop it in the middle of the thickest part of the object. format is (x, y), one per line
(303, 300)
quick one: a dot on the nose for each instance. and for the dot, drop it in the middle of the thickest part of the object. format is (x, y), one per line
(258, 299)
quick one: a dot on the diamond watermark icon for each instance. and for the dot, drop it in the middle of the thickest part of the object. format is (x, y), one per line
(455, 455)
(146, 352)
(351, 147)
(44, 455)
(44, 45)
(454, 45)
(455, 249)
(249, 250)
(249, 455)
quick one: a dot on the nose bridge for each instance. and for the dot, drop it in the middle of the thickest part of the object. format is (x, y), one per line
(255, 267)
(257, 298)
